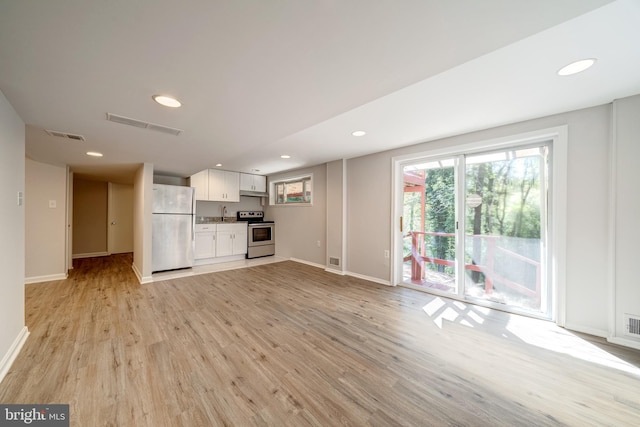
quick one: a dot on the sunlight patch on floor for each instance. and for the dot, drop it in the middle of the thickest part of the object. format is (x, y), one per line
(543, 334)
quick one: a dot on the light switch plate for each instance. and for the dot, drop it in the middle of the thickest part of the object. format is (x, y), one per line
(52, 204)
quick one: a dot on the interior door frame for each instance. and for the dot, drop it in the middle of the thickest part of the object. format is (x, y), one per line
(557, 209)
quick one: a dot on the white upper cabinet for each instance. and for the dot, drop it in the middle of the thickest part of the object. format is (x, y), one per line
(216, 185)
(201, 183)
(249, 182)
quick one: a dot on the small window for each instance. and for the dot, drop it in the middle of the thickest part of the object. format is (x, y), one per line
(292, 191)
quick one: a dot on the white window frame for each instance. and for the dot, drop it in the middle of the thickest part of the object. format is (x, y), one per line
(273, 194)
(558, 218)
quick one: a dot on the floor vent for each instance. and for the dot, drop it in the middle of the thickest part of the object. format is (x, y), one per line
(334, 261)
(632, 325)
(65, 135)
(144, 125)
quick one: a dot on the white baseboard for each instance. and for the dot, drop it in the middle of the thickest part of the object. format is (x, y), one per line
(625, 342)
(369, 278)
(90, 255)
(14, 350)
(141, 279)
(585, 330)
(312, 264)
(334, 271)
(343, 273)
(47, 278)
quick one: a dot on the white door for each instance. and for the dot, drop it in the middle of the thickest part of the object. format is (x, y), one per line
(120, 207)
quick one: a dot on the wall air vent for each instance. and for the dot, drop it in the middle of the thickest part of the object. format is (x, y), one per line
(144, 125)
(632, 325)
(334, 261)
(65, 135)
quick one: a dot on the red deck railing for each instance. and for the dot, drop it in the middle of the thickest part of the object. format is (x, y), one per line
(418, 259)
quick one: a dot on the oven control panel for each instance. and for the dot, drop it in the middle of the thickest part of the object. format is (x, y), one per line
(249, 215)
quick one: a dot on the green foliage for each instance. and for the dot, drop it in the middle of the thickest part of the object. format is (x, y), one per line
(510, 190)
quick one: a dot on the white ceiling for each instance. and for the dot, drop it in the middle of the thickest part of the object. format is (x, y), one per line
(263, 78)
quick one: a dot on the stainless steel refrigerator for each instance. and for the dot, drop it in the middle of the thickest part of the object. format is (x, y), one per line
(173, 227)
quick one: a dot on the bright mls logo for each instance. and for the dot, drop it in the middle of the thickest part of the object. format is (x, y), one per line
(34, 415)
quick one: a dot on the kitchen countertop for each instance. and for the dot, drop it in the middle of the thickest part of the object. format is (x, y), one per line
(214, 219)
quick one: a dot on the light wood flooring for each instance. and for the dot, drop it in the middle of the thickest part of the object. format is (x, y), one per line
(287, 344)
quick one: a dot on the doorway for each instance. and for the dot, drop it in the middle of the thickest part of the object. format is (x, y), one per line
(477, 225)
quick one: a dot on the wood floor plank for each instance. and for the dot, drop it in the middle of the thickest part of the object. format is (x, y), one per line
(287, 344)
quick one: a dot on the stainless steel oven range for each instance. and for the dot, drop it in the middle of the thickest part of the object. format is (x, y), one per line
(261, 234)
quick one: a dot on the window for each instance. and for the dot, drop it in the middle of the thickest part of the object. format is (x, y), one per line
(292, 191)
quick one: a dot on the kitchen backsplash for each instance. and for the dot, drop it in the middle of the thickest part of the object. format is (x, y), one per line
(214, 209)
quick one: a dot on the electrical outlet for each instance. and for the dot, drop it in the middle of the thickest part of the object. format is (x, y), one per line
(386, 253)
(318, 243)
(52, 204)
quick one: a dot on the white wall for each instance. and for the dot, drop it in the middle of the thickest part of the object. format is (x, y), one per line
(299, 228)
(626, 286)
(45, 226)
(142, 220)
(13, 331)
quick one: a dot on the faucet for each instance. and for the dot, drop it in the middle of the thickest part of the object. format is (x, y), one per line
(224, 212)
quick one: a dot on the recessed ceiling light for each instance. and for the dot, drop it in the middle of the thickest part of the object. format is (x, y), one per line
(359, 133)
(94, 154)
(285, 156)
(218, 165)
(255, 170)
(576, 67)
(167, 101)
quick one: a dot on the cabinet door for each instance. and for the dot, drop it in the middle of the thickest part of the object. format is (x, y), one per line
(260, 183)
(232, 186)
(240, 240)
(224, 242)
(205, 244)
(201, 183)
(216, 185)
(246, 182)
(249, 182)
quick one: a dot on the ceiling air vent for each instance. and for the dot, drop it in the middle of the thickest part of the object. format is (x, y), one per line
(65, 135)
(140, 124)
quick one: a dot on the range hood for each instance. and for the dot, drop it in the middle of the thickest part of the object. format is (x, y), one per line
(254, 193)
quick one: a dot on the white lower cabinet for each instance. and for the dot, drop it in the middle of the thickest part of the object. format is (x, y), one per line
(205, 241)
(231, 239)
(220, 240)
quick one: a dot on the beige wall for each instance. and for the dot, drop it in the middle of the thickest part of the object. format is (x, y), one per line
(299, 228)
(13, 331)
(45, 224)
(89, 218)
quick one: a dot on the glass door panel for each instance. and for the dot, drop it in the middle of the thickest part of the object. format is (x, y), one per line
(429, 220)
(505, 228)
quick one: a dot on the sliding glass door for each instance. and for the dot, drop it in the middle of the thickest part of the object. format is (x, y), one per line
(429, 218)
(474, 227)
